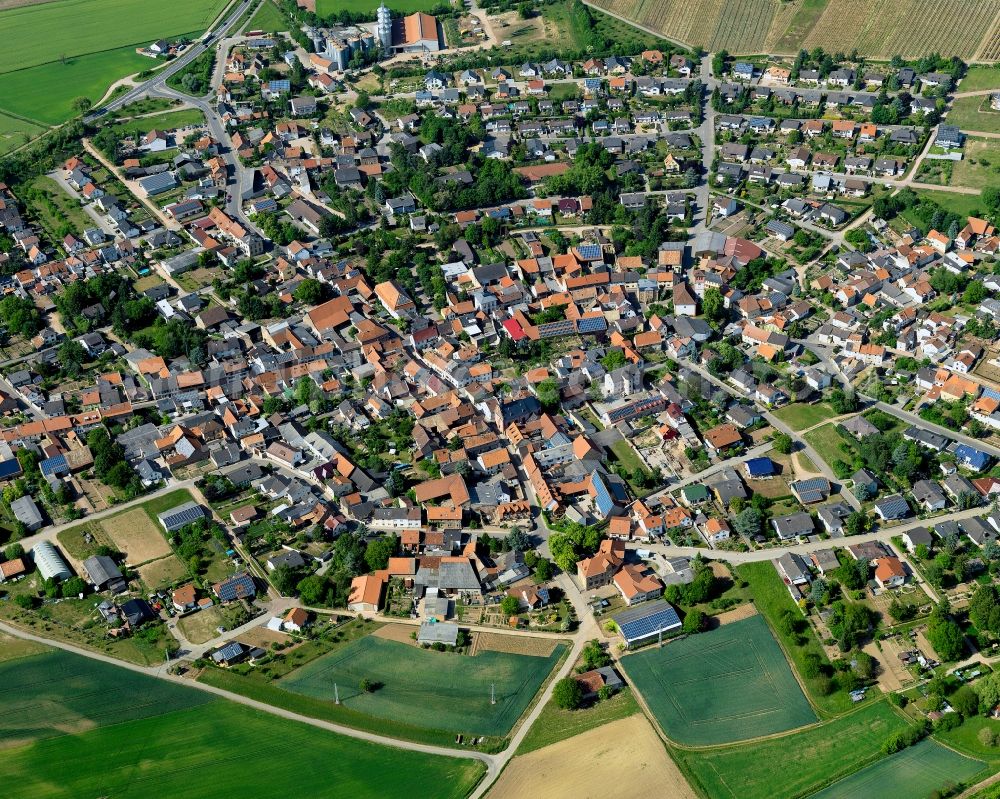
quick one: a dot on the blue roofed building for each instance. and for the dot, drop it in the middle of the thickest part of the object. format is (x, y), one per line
(607, 492)
(971, 458)
(647, 621)
(55, 466)
(759, 468)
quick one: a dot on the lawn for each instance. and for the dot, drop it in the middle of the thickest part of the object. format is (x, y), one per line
(627, 456)
(13, 132)
(826, 440)
(973, 113)
(554, 725)
(771, 598)
(797, 764)
(980, 77)
(800, 417)
(719, 687)
(268, 18)
(439, 690)
(915, 771)
(981, 165)
(61, 711)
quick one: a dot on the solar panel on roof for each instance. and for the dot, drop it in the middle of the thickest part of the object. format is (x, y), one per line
(590, 252)
(53, 465)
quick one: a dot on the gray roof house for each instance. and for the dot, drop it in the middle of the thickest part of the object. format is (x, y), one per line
(793, 525)
(104, 573)
(892, 507)
(26, 512)
(182, 515)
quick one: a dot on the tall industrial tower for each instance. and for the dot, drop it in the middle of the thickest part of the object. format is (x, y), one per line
(384, 30)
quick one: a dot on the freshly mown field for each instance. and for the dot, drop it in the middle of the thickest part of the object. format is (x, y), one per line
(796, 764)
(77, 728)
(57, 51)
(878, 29)
(916, 771)
(980, 77)
(439, 690)
(719, 687)
(170, 120)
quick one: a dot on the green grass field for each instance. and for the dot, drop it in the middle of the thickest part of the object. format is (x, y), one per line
(981, 165)
(158, 739)
(973, 113)
(796, 764)
(45, 93)
(46, 32)
(267, 18)
(723, 686)
(324, 7)
(916, 771)
(57, 51)
(962, 204)
(440, 690)
(13, 131)
(800, 417)
(980, 77)
(826, 440)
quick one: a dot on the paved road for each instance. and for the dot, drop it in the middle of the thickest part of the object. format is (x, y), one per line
(913, 418)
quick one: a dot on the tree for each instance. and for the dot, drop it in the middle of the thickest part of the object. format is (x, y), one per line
(519, 540)
(71, 355)
(367, 686)
(694, 622)
(900, 611)
(543, 570)
(567, 694)
(310, 291)
(315, 590)
(285, 579)
(548, 394)
(865, 665)
(945, 635)
(987, 737)
(614, 359)
(13, 551)
(782, 443)
(965, 701)
(74, 586)
(509, 606)
(82, 105)
(378, 552)
(748, 522)
(713, 305)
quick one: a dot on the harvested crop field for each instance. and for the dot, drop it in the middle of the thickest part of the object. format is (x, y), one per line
(411, 681)
(162, 572)
(396, 632)
(597, 763)
(726, 685)
(515, 644)
(736, 614)
(135, 534)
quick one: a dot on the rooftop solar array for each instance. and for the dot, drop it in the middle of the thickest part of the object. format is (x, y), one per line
(647, 620)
